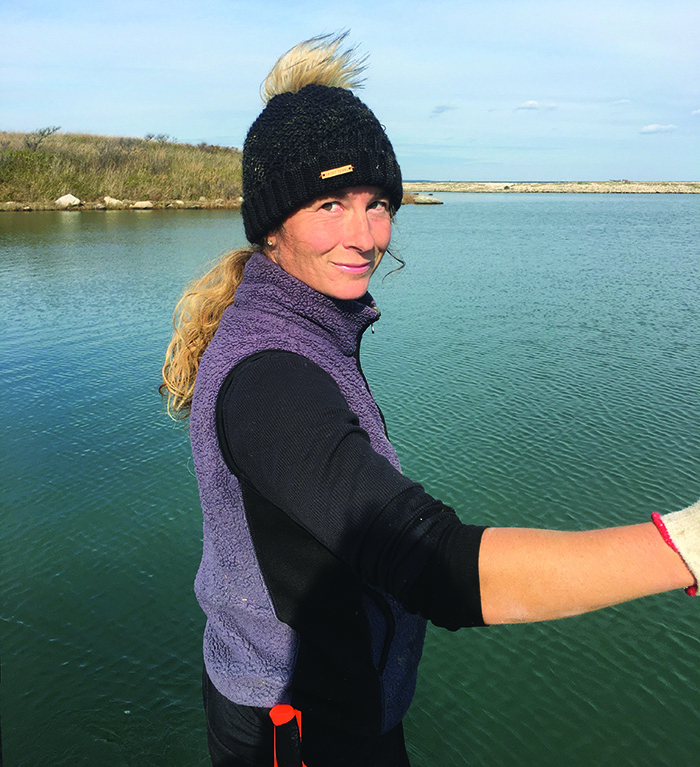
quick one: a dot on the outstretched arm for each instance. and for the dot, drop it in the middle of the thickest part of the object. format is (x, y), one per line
(534, 575)
(309, 456)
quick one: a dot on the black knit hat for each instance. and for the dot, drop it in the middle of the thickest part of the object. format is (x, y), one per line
(306, 144)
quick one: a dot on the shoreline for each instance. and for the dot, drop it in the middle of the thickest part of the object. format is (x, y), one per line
(549, 187)
(135, 205)
(411, 188)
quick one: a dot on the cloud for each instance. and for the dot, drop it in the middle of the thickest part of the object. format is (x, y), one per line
(441, 109)
(695, 112)
(534, 105)
(658, 128)
(621, 102)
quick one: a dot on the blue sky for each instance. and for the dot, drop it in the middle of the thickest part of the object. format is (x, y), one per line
(489, 90)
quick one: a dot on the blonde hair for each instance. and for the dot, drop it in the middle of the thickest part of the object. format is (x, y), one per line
(196, 318)
(318, 61)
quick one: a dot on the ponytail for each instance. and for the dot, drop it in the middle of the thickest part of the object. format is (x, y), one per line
(196, 318)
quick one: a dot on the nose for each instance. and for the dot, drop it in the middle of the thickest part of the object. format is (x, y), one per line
(358, 232)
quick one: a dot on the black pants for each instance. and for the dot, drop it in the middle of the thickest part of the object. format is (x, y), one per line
(242, 736)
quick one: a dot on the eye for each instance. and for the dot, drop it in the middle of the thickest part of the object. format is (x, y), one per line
(380, 204)
(330, 205)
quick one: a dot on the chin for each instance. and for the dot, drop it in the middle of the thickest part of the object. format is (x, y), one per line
(349, 292)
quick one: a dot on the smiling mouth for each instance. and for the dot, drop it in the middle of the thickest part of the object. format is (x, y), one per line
(355, 268)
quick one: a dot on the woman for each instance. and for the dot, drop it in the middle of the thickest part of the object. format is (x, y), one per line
(321, 561)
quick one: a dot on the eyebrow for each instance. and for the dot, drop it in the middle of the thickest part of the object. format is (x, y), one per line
(339, 194)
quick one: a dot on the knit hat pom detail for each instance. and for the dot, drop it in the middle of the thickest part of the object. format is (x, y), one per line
(317, 61)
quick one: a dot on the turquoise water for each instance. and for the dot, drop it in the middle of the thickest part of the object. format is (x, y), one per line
(537, 362)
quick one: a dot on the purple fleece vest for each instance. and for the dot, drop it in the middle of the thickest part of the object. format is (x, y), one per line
(248, 653)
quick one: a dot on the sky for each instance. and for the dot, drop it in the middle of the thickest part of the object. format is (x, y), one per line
(468, 90)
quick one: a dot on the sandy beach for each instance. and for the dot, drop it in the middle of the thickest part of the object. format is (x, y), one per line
(579, 187)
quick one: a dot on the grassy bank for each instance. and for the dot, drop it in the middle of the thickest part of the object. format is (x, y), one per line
(38, 168)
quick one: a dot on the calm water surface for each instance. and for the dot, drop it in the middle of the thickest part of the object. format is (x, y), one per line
(537, 362)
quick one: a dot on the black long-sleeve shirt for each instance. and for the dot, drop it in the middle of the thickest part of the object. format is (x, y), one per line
(287, 433)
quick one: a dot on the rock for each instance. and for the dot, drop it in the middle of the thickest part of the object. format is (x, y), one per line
(427, 199)
(112, 203)
(11, 206)
(67, 201)
(142, 205)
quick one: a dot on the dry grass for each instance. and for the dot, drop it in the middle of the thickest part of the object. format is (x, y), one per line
(40, 169)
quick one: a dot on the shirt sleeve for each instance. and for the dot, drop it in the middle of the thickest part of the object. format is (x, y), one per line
(285, 429)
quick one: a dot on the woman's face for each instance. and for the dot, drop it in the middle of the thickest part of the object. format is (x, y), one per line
(335, 243)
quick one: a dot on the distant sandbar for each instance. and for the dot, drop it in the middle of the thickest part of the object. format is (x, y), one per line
(578, 187)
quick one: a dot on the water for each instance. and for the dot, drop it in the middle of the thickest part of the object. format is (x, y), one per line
(537, 361)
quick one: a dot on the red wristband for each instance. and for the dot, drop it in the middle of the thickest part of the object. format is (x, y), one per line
(691, 591)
